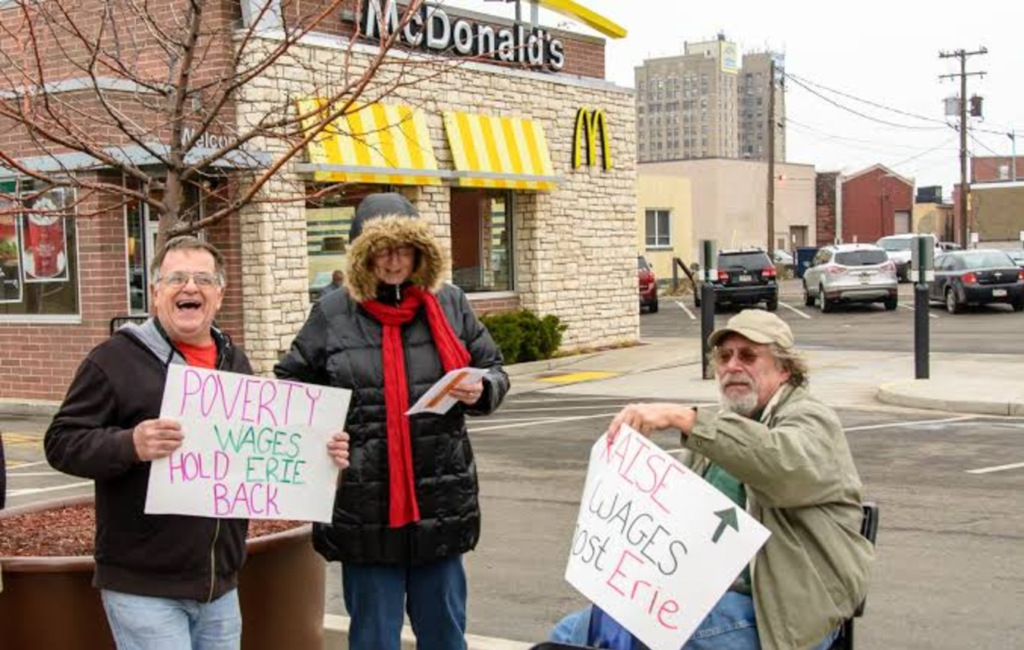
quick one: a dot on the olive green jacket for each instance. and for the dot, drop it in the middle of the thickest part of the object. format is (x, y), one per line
(803, 487)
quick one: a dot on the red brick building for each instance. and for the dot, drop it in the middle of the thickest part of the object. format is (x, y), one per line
(57, 303)
(876, 202)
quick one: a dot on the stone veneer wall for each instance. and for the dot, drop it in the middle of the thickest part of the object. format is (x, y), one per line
(575, 251)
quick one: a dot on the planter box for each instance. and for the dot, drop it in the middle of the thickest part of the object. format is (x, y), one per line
(49, 603)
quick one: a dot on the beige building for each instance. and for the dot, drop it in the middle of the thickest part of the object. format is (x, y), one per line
(706, 104)
(934, 219)
(723, 200)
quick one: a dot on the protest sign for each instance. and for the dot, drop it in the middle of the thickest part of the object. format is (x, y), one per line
(255, 448)
(655, 545)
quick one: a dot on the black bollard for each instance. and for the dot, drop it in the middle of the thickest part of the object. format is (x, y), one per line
(707, 326)
(921, 343)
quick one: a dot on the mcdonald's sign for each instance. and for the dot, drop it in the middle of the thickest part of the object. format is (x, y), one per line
(588, 124)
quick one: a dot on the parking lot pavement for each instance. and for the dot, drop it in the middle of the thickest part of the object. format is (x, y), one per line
(941, 580)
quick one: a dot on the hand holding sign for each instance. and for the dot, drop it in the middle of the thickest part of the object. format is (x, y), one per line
(337, 449)
(156, 438)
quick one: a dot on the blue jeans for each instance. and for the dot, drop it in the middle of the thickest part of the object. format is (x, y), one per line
(729, 626)
(433, 594)
(148, 623)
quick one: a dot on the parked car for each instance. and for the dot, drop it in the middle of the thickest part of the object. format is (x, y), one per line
(977, 277)
(782, 258)
(316, 287)
(899, 249)
(648, 285)
(745, 277)
(851, 273)
(948, 246)
(1017, 255)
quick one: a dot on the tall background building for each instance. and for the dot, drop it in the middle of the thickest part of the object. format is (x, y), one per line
(707, 103)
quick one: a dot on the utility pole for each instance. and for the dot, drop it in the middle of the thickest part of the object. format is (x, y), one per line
(771, 160)
(1013, 154)
(965, 188)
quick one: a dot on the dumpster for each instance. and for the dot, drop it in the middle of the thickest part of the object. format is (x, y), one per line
(804, 257)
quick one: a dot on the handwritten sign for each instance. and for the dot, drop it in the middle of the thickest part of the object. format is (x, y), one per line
(655, 545)
(254, 448)
(438, 398)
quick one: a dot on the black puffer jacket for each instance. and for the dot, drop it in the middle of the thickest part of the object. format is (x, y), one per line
(340, 345)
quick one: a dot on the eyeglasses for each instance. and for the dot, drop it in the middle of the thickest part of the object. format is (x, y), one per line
(746, 356)
(405, 252)
(202, 279)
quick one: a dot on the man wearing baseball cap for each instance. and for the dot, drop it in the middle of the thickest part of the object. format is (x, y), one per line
(781, 454)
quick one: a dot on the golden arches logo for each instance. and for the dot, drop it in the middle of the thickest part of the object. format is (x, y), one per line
(590, 18)
(588, 124)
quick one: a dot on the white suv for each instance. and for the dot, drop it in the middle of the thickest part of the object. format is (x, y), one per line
(850, 273)
(900, 251)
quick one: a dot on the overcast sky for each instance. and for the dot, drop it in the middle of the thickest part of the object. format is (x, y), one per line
(886, 52)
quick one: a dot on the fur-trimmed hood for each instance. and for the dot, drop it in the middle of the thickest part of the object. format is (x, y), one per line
(390, 231)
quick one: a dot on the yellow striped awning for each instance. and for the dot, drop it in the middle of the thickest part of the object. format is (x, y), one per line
(373, 143)
(503, 152)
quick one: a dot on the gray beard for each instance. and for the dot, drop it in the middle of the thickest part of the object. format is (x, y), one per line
(745, 406)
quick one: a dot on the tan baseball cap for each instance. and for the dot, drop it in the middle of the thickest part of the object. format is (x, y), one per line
(756, 325)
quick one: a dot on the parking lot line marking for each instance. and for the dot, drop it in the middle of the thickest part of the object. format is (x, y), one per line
(19, 475)
(575, 377)
(537, 409)
(930, 314)
(998, 468)
(27, 491)
(545, 421)
(687, 310)
(20, 464)
(794, 309)
(872, 427)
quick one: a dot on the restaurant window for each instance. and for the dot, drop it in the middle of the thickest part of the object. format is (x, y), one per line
(658, 233)
(482, 240)
(38, 254)
(141, 232)
(328, 220)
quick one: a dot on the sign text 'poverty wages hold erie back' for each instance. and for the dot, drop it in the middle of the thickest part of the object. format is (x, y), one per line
(254, 447)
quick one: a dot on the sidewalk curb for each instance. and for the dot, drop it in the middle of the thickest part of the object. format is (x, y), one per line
(336, 637)
(18, 407)
(896, 393)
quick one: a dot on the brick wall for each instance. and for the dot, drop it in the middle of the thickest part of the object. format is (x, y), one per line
(584, 55)
(38, 360)
(825, 207)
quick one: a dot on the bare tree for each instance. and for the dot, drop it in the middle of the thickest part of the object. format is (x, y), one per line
(137, 99)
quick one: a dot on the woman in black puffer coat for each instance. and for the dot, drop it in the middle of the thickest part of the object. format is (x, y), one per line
(407, 507)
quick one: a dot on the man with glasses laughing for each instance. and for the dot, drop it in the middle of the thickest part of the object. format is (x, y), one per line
(168, 582)
(782, 455)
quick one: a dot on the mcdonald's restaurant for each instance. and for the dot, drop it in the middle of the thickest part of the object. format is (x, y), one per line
(523, 160)
(528, 176)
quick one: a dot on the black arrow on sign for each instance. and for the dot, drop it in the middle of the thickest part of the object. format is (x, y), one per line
(728, 518)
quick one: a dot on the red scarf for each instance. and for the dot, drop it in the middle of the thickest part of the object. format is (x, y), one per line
(403, 506)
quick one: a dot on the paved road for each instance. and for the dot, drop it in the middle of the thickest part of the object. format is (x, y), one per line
(950, 569)
(991, 329)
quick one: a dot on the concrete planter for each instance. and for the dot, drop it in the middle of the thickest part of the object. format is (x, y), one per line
(49, 603)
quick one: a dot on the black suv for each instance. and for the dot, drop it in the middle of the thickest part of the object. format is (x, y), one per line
(745, 277)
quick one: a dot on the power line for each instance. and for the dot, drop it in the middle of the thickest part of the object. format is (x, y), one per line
(866, 101)
(874, 144)
(865, 116)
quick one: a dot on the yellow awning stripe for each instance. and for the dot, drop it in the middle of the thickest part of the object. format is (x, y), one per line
(499, 152)
(378, 143)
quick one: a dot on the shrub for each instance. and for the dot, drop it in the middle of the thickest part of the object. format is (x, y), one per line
(522, 336)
